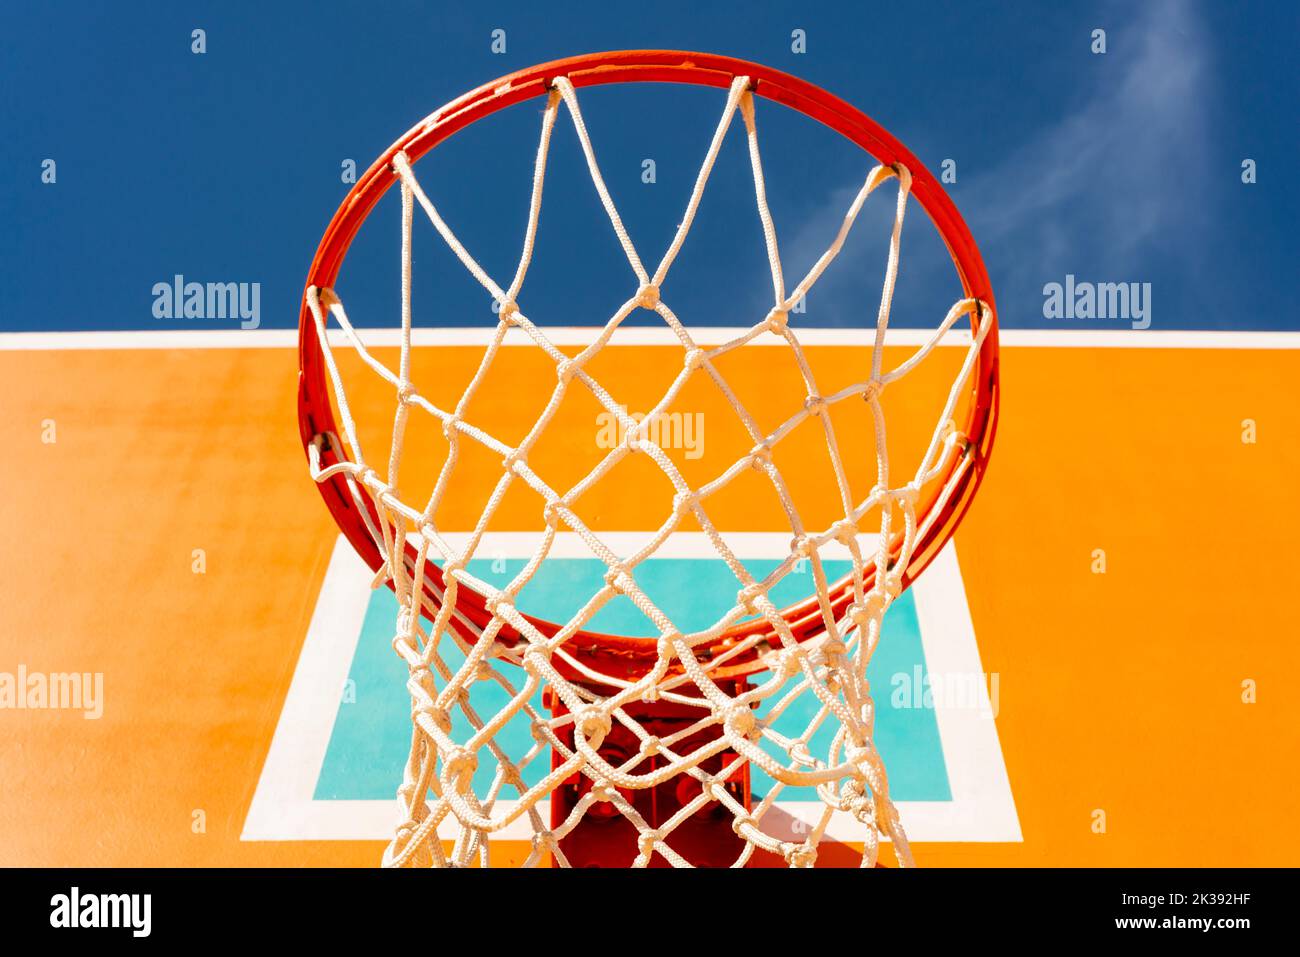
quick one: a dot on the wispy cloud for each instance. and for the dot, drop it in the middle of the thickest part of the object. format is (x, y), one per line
(1106, 181)
(1097, 189)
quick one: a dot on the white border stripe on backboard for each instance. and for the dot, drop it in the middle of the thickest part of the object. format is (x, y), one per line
(284, 805)
(647, 336)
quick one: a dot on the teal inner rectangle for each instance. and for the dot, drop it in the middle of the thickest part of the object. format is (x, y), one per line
(372, 726)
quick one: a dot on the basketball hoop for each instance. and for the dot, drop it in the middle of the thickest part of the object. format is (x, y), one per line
(655, 734)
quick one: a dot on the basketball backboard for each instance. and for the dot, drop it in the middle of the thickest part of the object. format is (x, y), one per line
(1108, 624)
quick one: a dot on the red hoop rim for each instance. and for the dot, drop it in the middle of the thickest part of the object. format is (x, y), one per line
(616, 655)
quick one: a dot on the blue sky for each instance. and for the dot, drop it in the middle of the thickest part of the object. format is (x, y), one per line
(1122, 167)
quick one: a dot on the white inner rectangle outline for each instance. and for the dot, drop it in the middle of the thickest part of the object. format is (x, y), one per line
(284, 807)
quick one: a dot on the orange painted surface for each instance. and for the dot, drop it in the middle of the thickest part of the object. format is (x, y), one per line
(1119, 692)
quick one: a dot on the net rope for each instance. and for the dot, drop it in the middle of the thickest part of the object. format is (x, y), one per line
(437, 792)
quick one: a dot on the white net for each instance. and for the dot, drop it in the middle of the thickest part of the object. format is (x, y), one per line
(462, 785)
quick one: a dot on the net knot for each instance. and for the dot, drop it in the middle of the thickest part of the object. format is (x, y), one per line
(404, 835)
(861, 807)
(800, 754)
(509, 309)
(406, 621)
(647, 297)
(747, 596)
(646, 841)
(367, 477)
(551, 514)
(844, 531)
(453, 567)
(814, 404)
(872, 390)
(715, 788)
(740, 721)
(512, 778)
(851, 788)
(861, 614)
(405, 648)
(423, 679)
(515, 458)
(617, 578)
(595, 724)
(790, 663)
(565, 369)
(800, 855)
(876, 600)
(760, 456)
(667, 650)
(684, 502)
(834, 649)
(907, 495)
(536, 655)
(405, 392)
(650, 746)
(496, 602)
(802, 546)
(694, 358)
(436, 715)
(460, 768)
(776, 321)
